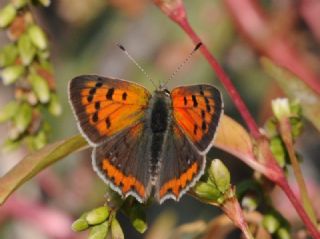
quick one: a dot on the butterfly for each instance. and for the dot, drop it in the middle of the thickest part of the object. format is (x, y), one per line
(146, 144)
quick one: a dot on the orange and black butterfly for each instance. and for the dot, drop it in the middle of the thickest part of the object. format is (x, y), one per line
(146, 142)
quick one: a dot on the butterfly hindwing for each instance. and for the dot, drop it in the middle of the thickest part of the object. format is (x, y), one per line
(105, 106)
(121, 162)
(197, 110)
(181, 167)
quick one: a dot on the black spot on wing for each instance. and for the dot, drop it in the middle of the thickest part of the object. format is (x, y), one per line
(194, 100)
(110, 93)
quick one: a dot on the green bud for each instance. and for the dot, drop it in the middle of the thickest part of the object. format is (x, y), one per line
(271, 127)
(8, 55)
(249, 202)
(80, 225)
(39, 140)
(43, 55)
(140, 225)
(295, 108)
(54, 105)
(10, 145)
(44, 3)
(136, 213)
(38, 37)
(8, 111)
(206, 191)
(219, 175)
(278, 149)
(281, 108)
(19, 3)
(26, 49)
(7, 14)
(40, 88)
(296, 126)
(97, 215)
(23, 117)
(11, 74)
(99, 232)
(283, 233)
(116, 229)
(271, 223)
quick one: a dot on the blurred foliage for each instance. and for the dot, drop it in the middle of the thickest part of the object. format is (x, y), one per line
(24, 63)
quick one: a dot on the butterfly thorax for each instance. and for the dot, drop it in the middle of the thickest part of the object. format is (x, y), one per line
(159, 123)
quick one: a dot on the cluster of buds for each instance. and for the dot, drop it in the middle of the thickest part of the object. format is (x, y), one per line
(24, 64)
(217, 188)
(102, 221)
(284, 111)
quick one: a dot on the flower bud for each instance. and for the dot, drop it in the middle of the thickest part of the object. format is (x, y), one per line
(278, 150)
(219, 175)
(8, 55)
(116, 229)
(79, 225)
(39, 140)
(100, 231)
(23, 117)
(249, 202)
(206, 191)
(26, 49)
(271, 223)
(8, 111)
(54, 105)
(137, 217)
(7, 14)
(11, 74)
(283, 233)
(97, 215)
(40, 87)
(37, 36)
(44, 3)
(19, 3)
(281, 108)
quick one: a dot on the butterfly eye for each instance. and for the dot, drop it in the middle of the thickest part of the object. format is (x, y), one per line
(166, 92)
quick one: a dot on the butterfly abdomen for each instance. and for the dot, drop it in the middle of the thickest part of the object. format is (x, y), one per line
(159, 124)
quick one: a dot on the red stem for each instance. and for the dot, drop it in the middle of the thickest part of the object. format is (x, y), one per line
(233, 93)
(175, 10)
(283, 184)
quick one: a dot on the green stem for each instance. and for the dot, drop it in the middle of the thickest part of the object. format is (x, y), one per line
(285, 131)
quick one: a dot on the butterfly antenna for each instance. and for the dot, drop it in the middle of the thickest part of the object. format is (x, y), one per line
(182, 64)
(136, 63)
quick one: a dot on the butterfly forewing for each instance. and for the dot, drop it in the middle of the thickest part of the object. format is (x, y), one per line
(197, 110)
(105, 106)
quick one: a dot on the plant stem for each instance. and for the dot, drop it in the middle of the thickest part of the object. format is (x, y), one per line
(225, 80)
(285, 131)
(303, 215)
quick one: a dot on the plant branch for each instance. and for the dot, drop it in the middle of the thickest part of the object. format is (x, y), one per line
(175, 10)
(285, 131)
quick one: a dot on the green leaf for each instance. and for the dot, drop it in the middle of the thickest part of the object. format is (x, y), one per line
(295, 88)
(34, 163)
